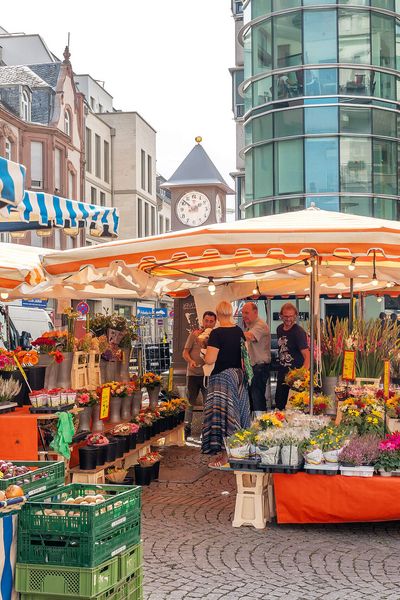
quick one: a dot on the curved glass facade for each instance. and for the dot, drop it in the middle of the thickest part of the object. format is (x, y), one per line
(322, 95)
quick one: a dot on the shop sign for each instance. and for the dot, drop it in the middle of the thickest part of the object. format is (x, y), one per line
(144, 311)
(161, 313)
(34, 303)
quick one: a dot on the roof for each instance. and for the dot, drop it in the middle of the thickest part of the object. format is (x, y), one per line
(197, 169)
(48, 72)
(21, 75)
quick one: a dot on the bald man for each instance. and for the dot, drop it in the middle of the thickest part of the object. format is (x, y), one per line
(258, 338)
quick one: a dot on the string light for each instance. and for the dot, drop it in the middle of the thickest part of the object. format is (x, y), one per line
(256, 290)
(379, 299)
(211, 286)
(352, 265)
(307, 298)
(308, 266)
(374, 277)
(4, 295)
(340, 296)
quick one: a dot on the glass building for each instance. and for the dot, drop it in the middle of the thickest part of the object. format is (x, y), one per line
(321, 99)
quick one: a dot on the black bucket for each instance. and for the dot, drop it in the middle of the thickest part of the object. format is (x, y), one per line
(143, 475)
(87, 458)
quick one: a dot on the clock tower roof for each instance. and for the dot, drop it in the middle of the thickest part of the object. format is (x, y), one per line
(197, 169)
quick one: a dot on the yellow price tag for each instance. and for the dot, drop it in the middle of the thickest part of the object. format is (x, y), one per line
(170, 379)
(105, 402)
(349, 365)
(386, 378)
(22, 371)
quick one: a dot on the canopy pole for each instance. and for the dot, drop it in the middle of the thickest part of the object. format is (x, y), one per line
(312, 331)
(351, 311)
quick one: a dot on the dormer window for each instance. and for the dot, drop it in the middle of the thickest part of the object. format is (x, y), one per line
(26, 106)
(67, 122)
(8, 149)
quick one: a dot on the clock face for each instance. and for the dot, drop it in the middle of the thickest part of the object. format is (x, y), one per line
(218, 209)
(193, 209)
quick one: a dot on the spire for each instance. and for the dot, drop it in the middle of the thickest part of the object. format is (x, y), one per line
(67, 56)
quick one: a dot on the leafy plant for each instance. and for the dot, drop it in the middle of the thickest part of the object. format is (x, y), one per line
(361, 450)
(9, 388)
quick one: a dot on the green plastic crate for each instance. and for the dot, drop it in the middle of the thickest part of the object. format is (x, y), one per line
(131, 590)
(82, 550)
(46, 476)
(122, 502)
(66, 581)
(130, 561)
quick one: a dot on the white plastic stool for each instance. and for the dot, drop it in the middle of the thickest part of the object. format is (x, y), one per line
(252, 499)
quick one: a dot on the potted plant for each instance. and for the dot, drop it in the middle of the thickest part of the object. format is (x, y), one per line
(388, 462)
(9, 389)
(301, 401)
(290, 439)
(240, 444)
(86, 399)
(98, 441)
(334, 333)
(359, 456)
(135, 390)
(270, 420)
(333, 440)
(393, 413)
(312, 451)
(267, 446)
(152, 383)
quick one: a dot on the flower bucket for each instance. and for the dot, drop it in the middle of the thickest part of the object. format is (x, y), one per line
(123, 366)
(97, 424)
(126, 408)
(357, 471)
(136, 402)
(115, 409)
(384, 473)
(240, 451)
(153, 393)
(331, 456)
(87, 458)
(290, 456)
(143, 475)
(63, 371)
(84, 418)
(314, 457)
(269, 456)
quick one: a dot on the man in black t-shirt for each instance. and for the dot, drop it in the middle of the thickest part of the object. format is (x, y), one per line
(293, 351)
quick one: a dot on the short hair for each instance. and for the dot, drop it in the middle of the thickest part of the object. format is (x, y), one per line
(382, 315)
(288, 306)
(252, 304)
(393, 316)
(224, 309)
(210, 313)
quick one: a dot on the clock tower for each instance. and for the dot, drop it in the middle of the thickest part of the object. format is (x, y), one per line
(198, 191)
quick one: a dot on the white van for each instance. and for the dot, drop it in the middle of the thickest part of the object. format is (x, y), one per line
(34, 321)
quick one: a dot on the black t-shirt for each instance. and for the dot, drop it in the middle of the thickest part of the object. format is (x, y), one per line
(290, 344)
(227, 340)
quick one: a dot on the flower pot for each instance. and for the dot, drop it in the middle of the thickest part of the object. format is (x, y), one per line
(119, 445)
(111, 452)
(123, 365)
(290, 456)
(331, 456)
(87, 458)
(136, 402)
(153, 393)
(36, 376)
(393, 425)
(108, 370)
(314, 457)
(45, 360)
(132, 441)
(126, 408)
(147, 432)
(97, 424)
(140, 436)
(84, 418)
(63, 371)
(156, 470)
(328, 389)
(357, 471)
(50, 378)
(384, 473)
(115, 410)
(240, 451)
(269, 456)
(100, 451)
(143, 475)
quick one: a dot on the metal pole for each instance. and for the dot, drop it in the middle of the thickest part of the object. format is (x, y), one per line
(351, 311)
(312, 332)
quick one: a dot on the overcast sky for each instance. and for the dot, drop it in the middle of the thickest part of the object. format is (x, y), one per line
(166, 59)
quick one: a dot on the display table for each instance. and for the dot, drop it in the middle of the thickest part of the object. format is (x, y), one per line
(304, 498)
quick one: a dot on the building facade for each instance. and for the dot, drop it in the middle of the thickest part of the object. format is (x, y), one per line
(321, 92)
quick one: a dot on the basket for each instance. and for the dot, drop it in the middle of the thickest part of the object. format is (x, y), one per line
(43, 477)
(122, 502)
(84, 550)
(117, 476)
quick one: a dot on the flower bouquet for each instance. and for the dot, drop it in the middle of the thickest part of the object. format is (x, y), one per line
(9, 388)
(97, 439)
(299, 379)
(268, 446)
(240, 444)
(301, 401)
(7, 362)
(150, 380)
(115, 474)
(364, 414)
(290, 439)
(389, 455)
(85, 398)
(359, 456)
(44, 344)
(269, 420)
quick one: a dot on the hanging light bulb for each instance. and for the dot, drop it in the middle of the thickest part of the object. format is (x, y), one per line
(374, 279)
(256, 290)
(352, 265)
(212, 293)
(390, 284)
(340, 296)
(379, 299)
(308, 267)
(307, 298)
(4, 295)
(211, 285)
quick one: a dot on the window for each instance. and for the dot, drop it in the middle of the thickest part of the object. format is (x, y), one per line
(93, 195)
(149, 174)
(92, 103)
(262, 48)
(97, 155)
(262, 92)
(143, 169)
(384, 155)
(289, 122)
(290, 152)
(37, 165)
(321, 119)
(100, 108)
(385, 208)
(153, 220)
(355, 165)
(320, 82)
(321, 165)
(8, 149)
(262, 129)
(140, 217)
(287, 40)
(160, 224)
(263, 171)
(260, 7)
(383, 41)
(355, 205)
(25, 106)
(102, 199)
(167, 226)
(146, 219)
(354, 44)
(88, 150)
(58, 171)
(238, 7)
(384, 122)
(106, 161)
(287, 205)
(355, 120)
(71, 184)
(320, 43)
(67, 122)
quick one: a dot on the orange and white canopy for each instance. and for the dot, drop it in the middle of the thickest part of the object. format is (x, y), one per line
(20, 265)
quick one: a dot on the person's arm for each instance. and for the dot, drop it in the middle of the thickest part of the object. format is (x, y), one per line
(306, 356)
(211, 355)
(186, 352)
(303, 347)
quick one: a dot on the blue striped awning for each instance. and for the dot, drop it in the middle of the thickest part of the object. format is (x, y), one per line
(12, 182)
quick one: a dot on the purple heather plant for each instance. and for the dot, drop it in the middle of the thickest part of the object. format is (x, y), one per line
(361, 450)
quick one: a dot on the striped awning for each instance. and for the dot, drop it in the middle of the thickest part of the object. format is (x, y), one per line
(12, 182)
(22, 210)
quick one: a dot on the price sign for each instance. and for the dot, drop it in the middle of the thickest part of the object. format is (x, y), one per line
(105, 403)
(83, 308)
(386, 378)
(349, 365)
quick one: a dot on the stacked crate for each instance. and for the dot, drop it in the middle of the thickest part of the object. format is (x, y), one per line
(81, 550)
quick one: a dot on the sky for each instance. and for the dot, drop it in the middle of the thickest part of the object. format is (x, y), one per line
(166, 59)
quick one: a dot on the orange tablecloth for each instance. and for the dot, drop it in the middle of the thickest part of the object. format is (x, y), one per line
(304, 498)
(19, 435)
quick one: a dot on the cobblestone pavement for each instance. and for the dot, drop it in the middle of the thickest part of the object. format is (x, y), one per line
(192, 551)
